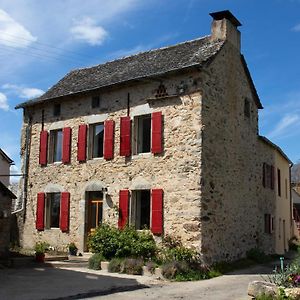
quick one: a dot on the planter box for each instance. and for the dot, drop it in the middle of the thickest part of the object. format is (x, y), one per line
(104, 265)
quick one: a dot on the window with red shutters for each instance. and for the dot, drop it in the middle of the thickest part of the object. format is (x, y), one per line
(66, 155)
(157, 211)
(125, 136)
(109, 126)
(43, 148)
(81, 145)
(40, 211)
(156, 141)
(123, 208)
(64, 211)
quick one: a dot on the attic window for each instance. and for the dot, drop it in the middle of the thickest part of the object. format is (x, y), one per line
(95, 101)
(56, 110)
(247, 108)
(161, 91)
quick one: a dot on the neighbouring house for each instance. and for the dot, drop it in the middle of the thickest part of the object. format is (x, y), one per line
(165, 140)
(6, 198)
(296, 207)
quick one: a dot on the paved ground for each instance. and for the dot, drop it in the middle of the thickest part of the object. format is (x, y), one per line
(69, 282)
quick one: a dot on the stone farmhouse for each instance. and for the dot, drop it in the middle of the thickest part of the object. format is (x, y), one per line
(165, 140)
(6, 198)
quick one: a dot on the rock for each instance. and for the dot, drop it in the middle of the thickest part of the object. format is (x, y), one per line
(293, 293)
(256, 288)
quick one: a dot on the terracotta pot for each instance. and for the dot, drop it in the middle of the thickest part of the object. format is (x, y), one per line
(40, 257)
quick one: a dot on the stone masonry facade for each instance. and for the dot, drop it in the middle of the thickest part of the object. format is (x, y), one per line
(210, 168)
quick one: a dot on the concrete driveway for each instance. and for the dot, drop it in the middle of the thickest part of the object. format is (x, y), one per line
(46, 282)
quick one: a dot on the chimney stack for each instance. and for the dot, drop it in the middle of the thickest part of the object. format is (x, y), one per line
(224, 27)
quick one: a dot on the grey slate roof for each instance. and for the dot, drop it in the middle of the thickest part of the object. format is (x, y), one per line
(142, 65)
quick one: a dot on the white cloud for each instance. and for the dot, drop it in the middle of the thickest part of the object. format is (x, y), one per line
(3, 102)
(12, 33)
(296, 28)
(23, 92)
(284, 125)
(87, 30)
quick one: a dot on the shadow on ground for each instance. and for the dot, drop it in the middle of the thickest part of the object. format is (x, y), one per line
(50, 283)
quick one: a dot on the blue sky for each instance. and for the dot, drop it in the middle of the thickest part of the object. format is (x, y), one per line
(40, 41)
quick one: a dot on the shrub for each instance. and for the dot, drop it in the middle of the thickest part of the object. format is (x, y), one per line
(294, 244)
(41, 247)
(115, 265)
(95, 261)
(133, 266)
(257, 255)
(112, 242)
(171, 269)
(150, 265)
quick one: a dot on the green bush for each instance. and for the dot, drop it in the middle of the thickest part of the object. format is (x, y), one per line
(112, 242)
(133, 266)
(151, 265)
(115, 265)
(95, 261)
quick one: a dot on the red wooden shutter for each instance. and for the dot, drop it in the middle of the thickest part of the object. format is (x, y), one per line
(125, 130)
(40, 211)
(156, 144)
(64, 211)
(66, 154)
(157, 211)
(123, 208)
(81, 145)
(43, 147)
(109, 139)
(272, 179)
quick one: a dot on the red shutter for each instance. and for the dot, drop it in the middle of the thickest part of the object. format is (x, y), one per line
(40, 211)
(81, 145)
(109, 139)
(272, 179)
(123, 208)
(66, 154)
(156, 145)
(43, 147)
(157, 211)
(125, 130)
(64, 211)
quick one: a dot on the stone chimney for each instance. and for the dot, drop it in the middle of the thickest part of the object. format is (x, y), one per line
(224, 27)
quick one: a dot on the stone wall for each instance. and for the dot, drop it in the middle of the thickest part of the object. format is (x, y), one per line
(176, 170)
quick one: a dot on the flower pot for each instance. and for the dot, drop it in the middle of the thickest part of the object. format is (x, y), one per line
(40, 258)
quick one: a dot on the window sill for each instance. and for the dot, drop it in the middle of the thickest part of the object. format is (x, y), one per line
(146, 154)
(55, 163)
(52, 228)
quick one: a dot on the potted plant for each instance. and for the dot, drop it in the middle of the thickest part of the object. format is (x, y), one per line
(72, 249)
(40, 248)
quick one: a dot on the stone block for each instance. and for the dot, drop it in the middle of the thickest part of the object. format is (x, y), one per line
(256, 288)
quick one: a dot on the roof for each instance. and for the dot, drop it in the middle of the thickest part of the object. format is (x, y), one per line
(6, 191)
(5, 156)
(267, 141)
(142, 65)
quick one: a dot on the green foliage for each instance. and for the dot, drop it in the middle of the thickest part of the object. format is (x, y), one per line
(115, 265)
(281, 296)
(95, 261)
(72, 247)
(151, 265)
(41, 247)
(133, 266)
(257, 255)
(112, 242)
(294, 244)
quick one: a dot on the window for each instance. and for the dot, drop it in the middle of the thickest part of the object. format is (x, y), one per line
(279, 182)
(286, 189)
(55, 151)
(96, 134)
(268, 223)
(95, 101)
(140, 209)
(52, 210)
(268, 176)
(247, 108)
(142, 134)
(56, 110)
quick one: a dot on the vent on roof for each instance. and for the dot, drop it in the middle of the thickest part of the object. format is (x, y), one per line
(161, 91)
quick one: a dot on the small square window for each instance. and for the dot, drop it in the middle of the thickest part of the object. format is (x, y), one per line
(96, 138)
(56, 110)
(142, 134)
(95, 101)
(55, 147)
(52, 210)
(247, 108)
(140, 209)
